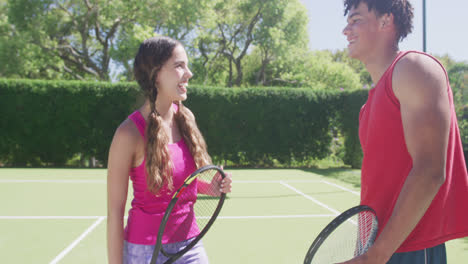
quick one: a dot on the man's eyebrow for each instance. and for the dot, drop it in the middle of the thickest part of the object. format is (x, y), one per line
(353, 15)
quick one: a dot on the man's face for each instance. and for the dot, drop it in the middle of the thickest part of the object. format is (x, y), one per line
(361, 31)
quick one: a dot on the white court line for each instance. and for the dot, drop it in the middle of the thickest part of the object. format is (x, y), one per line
(276, 181)
(47, 217)
(78, 240)
(341, 187)
(311, 198)
(252, 181)
(103, 181)
(198, 217)
(51, 181)
(234, 181)
(268, 216)
(317, 201)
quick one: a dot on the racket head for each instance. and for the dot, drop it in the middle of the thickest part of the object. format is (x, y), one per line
(347, 236)
(207, 207)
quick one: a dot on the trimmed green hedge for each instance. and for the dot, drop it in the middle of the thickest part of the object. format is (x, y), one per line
(259, 124)
(51, 121)
(348, 122)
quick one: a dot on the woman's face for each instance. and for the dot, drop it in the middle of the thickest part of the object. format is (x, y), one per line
(172, 79)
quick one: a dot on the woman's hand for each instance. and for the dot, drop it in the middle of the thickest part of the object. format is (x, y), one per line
(217, 185)
(223, 185)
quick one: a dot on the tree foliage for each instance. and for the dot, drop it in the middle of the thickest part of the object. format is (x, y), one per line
(80, 38)
(79, 33)
(229, 42)
(98, 39)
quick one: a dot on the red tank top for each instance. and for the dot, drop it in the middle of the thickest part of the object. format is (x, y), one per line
(387, 163)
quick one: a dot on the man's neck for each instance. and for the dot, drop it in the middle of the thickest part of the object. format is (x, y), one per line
(377, 64)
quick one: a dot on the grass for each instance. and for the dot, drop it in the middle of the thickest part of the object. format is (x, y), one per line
(348, 175)
(87, 197)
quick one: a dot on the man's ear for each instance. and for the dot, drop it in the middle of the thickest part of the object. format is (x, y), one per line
(386, 20)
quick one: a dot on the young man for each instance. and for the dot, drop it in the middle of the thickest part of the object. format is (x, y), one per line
(413, 170)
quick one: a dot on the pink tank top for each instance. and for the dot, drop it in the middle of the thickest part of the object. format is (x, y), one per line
(387, 163)
(147, 209)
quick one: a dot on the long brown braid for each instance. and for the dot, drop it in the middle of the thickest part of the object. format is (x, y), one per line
(152, 55)
(192, 136)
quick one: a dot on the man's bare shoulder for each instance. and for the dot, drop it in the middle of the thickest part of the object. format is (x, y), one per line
(416, 76)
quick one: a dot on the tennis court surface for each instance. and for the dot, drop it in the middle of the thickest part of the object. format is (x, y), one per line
(271, 216)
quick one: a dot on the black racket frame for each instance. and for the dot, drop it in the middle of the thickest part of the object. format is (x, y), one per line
(333, 225)
(162, 226)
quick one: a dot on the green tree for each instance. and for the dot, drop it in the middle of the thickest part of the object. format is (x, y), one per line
(282, 28)
(232, 24)
(358, 67)
(458, 74)
(182, 18)
(19, 57)
(234, 29)
(177, 19)
(81, 38)
(125, 47)
(78, 32)
(311, 69)
(208, 66)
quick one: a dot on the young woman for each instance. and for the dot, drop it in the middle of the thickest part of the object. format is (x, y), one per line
(158, 146)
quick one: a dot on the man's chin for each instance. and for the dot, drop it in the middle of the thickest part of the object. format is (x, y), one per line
(353, 54)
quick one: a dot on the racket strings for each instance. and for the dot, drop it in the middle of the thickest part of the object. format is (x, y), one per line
(367, 229)
(191, 212)
(209, 184)
(201, 194)
(352, 238)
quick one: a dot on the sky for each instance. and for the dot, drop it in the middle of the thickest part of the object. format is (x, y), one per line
(446, 27)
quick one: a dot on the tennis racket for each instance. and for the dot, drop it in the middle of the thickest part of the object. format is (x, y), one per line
(207, 207)
(349, 235)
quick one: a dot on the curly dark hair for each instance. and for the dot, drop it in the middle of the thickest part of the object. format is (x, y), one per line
(401, 9)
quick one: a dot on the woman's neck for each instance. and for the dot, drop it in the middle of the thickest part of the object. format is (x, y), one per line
(163, 108)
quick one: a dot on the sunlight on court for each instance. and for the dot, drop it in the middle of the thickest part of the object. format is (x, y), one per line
(271, 216)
